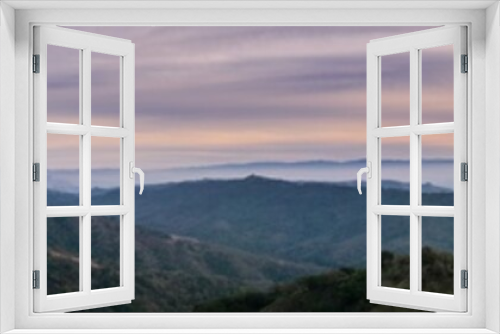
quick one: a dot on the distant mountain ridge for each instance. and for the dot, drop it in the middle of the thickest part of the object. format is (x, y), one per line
(312, 170)
(321, 163)
(61, 197)
(428, 188)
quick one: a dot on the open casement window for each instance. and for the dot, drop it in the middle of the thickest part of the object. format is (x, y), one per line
(402, 99)
(65, 232)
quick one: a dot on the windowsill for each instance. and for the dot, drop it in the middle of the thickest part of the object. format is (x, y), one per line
(250, 331)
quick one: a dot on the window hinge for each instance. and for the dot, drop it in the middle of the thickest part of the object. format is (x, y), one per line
(465, 279)
(36, 172)
(36, 63)
(465, 64)
(36, 279)
(464, 172)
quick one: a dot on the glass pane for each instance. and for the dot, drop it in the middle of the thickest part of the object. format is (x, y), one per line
(105, 90)
(106, 171)
(437, 169)
(63, 85)
(437, 84)
(105, 236)
(437, 254)
(395, 170)
(395, 96)
(63, 165)
(63, 255)
(395, 241)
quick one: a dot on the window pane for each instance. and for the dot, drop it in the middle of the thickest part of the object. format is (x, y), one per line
(395, 96)
(437, 84)
(105, 236)
(63, 255)
(395, 170)
(437, 169)
(63, 175)
(437, 254)
(106, 171)
(63, 85)
(105, 89)
(395, 241)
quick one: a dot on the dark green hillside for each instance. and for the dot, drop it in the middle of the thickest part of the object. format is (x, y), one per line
(342, 290)
(219, 241)
(321, 223)
(180, 271)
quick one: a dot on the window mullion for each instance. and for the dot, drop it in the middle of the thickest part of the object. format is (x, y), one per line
(81, 197)
(85, 171)
(414, 171)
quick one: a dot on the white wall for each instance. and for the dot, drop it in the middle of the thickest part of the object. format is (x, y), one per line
(492, 163)
(284, 17)
(7, 160)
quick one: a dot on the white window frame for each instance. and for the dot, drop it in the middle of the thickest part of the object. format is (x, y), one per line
(484, 50)
(413, 45)
(85, 44)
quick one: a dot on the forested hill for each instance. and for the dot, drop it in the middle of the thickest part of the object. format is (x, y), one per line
(172, 273)
(202, 241)
(342, 290)
(305, 222)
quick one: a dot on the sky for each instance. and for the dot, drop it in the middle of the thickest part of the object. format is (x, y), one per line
(213, 95)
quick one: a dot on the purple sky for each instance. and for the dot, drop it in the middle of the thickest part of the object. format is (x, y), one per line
(209, 95)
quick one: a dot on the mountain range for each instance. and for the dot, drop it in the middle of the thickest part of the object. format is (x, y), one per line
(217, 242)
(323, 224)
(435, 171)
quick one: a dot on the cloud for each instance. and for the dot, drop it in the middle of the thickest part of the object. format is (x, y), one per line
(242, 93)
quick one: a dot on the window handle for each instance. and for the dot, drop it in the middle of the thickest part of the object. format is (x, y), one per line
(368, 171)
(139, 171)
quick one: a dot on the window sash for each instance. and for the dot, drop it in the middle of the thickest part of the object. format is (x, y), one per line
(86, 297)
(412, 43)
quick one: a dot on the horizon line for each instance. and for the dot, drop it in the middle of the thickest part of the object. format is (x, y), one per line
(271, 162)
